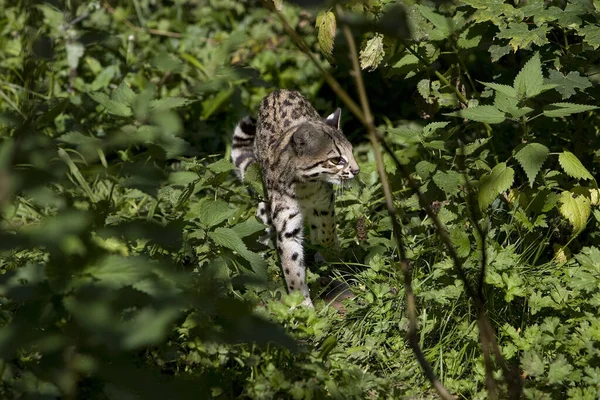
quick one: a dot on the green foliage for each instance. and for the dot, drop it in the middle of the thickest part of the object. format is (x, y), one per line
(129, 256)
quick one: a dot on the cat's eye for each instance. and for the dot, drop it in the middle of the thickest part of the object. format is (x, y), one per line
(337, 161)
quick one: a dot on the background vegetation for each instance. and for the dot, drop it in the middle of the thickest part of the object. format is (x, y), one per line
(128, 251)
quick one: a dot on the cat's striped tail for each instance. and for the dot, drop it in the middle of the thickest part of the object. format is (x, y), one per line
(242, 148)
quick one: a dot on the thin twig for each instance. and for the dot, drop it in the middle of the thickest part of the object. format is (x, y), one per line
(404, 263)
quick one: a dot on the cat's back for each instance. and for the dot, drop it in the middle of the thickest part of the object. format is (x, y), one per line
(280, 111)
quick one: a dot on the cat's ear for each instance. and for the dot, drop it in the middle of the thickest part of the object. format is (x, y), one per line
(306, 140)
(333, 119)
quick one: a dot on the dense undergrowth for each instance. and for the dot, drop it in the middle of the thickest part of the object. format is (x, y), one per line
(128, 251)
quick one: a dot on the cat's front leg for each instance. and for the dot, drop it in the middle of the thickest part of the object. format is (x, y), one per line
(288, 221)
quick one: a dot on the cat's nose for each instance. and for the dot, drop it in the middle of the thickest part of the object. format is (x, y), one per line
(355, 171)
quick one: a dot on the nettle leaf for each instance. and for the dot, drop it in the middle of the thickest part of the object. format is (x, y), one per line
(529, 80)
(211, 212)
(497, 52)
(510, 105)
(230, 239)
(576, 209)
(504, 89)
(531, 157)
(444, 26)
(432, 127)
(327, 26)
(564, 109)
(112, 107)
(124, 94)
(573, 167)
(494, 183)
(372, 54)
(566, 84)
(449, 181)
(489, 114)
(168, 103)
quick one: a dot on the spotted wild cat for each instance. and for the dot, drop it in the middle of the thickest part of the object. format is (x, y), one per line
(300, 155)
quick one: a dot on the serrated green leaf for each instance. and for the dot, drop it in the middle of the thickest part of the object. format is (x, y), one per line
(531, 157)
(460, 240)
(576, 209)
(103, 79)
(424, 168)
(591, 35)
(504, 89)
(444, 26)
(327, 26)
(564, 109)
(168, 103)
(521, 37)
(567, 85)
(497, 181)
(432, 127)
(248, 227)
(229, 238)
(559, 370)
(111, 106)
(497, 52)
(372, 54)
(123, 94)
(572, 166)
(472, 147)
(510, 105)
(211, 212)
(532, 363)
(489, 114)
(448, 181)
(529, 80)
(117, 272)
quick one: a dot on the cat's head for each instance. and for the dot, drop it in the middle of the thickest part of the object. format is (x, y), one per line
(323, 152)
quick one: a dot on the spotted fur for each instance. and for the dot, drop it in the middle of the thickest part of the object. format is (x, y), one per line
(301, 155)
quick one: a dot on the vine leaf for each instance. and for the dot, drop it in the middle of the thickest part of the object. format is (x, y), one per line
(529, 81)
(372, 54)
(489, 114)
(576, 209)
(327, 26)
(573, 167)
(531, 157)
(497, 181)
(564, 109)
(568, 83)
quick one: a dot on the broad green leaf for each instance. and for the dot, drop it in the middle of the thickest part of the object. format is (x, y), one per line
(424, 168)
(529, 80)
(591, 35)
(123, 94)
(113, 107)
(559, 370)
(229, 238)
(472, 147)
(576, 209)
(510, 105)
(489, 114)
(521, 37)
(327, 26)
(168, 103)
(504, 89)
(211, 212)
(432, 127)
(497, 181)
(532, 363)
(372, 54)
(248, 227)
(449, 181)
(443, 26)
(573, 167)
(565, 109)
(531, 157)
(103, 79)
(566, 84)
(116, 272)
(497, 52)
